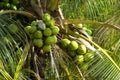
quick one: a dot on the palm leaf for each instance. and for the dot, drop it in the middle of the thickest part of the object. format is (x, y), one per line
(6, 44)
(95, 23)
(106, 72)
(4, 73)
(11, 49)
(21, 62)
(108, 38)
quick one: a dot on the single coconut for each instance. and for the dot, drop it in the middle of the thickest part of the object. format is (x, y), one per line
(51, 40)
(73, 45)
(47, 48)
(47, 32)
(38, 42)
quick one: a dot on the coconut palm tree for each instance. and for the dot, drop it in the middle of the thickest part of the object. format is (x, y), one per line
(22, 59)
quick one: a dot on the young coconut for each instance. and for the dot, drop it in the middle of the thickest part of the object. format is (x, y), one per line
(38, 42)
(71, 53)
(47, 32)
(51, 40)
(55, 30)
(65, 42)
(38, 34)
(33, 29)
(34, 23)
(88, 56)
(46, 17)
(27, 29)
(73, 45)
(79, 59)
(50, 23)
(13, 28)
(47, 48)
(81, 49)
(84, 66)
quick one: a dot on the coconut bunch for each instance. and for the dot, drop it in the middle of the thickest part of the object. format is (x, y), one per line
(43, 32)
(9, 4)
(71, 44)
(78, 52)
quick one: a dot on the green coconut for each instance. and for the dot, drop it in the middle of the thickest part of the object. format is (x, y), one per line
(47, 48)
(38, 42)
(88, 56)
(79, 59)
(51, 40)
(55, 30)
(81, 49)
(13, 28)
(73, 45)
(47, 32)
(46, 17)
(65, 42)
(38, 34)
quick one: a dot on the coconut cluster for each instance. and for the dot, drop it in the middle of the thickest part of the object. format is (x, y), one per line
(78, 52)
(9, 4)
(43, 32)
(89, 31)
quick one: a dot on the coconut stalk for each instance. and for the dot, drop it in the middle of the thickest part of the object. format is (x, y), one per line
(24, 13)
(53, 4)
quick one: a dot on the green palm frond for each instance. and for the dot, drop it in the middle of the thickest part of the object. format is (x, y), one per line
(4, 73)
(103, 33)
(21, 62)
(108, 38)
(103, 69)
(94, 23)
(11, 48)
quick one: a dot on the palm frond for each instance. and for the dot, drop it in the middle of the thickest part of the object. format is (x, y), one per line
(107, 71)
(11, 48)
(21, 62)
(108, 38)
(95, 23)
(4, 73)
